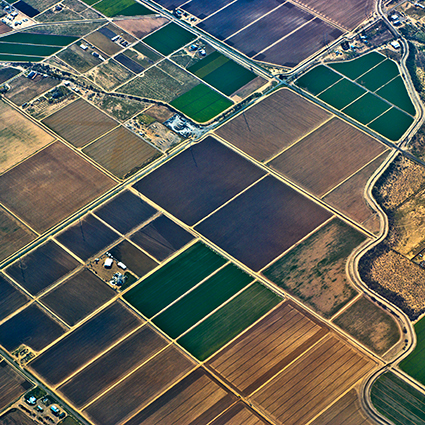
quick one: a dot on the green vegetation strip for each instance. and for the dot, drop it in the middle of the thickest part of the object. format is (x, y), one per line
(201, 103)
(318, 79)
(392, 124)
(169, 38)
(230, 320)
(379, 75)
(342, 93)
(194, 306)
(27, 49)
(398, 401)
(396, 93)
(414, 364)
(44, 39)
(20, 58)
(174, 279)
(112, 8)
(356, 67)
(367, 108)
(222, 73)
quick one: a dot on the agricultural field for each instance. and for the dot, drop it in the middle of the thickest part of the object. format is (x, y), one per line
(87, 237)
(222, 73)
(6, 73)
(314, 270)
(161, 237)
(168, 39)
(149, 56)
(143, 25)
(199, 180)
(79, 59)
(32, 327)
(86, 342)
(64, 15)
(282, 217)
(174, 279)
(121, 152)
(113, 8)
(12, 384)
(27, 189)
(132, 352)
(346, 410)
(103, 42)
(92, 123)
(13, 234)
(197, 397)
(83, 293)
(161, 372)
(15, 417)
(42, 267)
(129, 63)
(262, 131)
(336, 143)
(125, 211)
(201, 103)
(309, 385)
(382, 103)
(348, 197)
(380, 337)
(40, 5)
(398, 401)
(23, 89)
(239, 413)
(164, 82)
(12, 298)
(268, 347)
(109, 75)
(19, 137)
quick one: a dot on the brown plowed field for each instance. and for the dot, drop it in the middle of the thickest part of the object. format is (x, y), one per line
(12, 384)
(51, 185)
(121, 152)
(349, 197)
(196, 399)
(312, 382)
(141, 26)
(327, 156)
(237, 415)
(137, 390)
(345, 411)
(80, 123)
(347, 13)
(267, 348)
(273, 124)
(119, 361)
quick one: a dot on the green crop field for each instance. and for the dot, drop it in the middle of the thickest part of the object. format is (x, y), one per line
(169, 38)
(174, 279)
(398, 401)
(44, 39)
(202, 300)
(318, 79)
(395, 92)
(27, 49)
(230, 320)
(112, 8)
(414, 364)
(341, 94)
(367, 108)
(379, 75)
(392, 124)
(20, 58)
(222, 73)
(356, 67)
(201, 103)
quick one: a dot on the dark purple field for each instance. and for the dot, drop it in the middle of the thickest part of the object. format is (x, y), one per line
(200, 179)
(125, 211)
(202, 8)
(161, 237)
(86, 342)
(11, 298)
(42, 267)
(263, 222)
(32, 327)
(170, 4)
(78, 296)
(87, 237)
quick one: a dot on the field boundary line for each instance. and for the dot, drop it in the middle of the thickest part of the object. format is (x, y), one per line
(20, 220)
(353, 174)
(228, 201)
(388, 82)
(214, 13)
(347, 306)
(328, 87)
(285, 36)
(256, 20)
(124, 377)
(267, 161)
(53, 314)
(17, 311)
(299, 242)
(99, 137)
